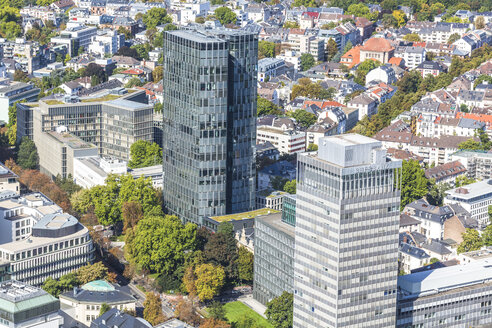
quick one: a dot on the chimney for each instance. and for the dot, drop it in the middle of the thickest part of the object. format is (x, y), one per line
(405, 239)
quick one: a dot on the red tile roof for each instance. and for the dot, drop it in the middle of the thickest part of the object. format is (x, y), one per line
(377, 45)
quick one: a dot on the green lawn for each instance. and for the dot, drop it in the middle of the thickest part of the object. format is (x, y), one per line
(236, 310)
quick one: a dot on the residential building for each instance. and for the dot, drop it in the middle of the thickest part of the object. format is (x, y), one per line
(112, 119)
(413, 56)
(408, 223)
(455, 296)
(26, 306)
(477, 163)
(9, 181)
(15, 92)
(367, 105)
(209, 160)
(57, 151)
(115, 318)
(432, 218)
(347, 215)
(87, 300)
(274, 258)
(446, 173)
(271, 67)
(433, 68)
(286, 141)
(106, 42)
(412, 257)
(57, 245)
(385, 74)
(475, 198)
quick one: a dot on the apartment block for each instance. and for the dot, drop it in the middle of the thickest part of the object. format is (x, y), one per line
(477, 163)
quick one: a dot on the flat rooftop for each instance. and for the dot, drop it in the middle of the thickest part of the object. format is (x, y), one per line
(472, 190)
(480, 254)
(352, 139)
(16, 291)
(70, 140)
(244, 215)
(443, 279)
(195, 35)
(274, 220)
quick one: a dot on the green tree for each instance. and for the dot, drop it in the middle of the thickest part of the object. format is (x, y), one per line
(81, 201)
(288, 24)
(290, 186)
(266, 49)
(216, 310)
(266, 107)
(306, 88)
(140, 190)
(331, 49)
(453, 38)
(155, 17)
(105, 202)
(307, 61)
(245, 264)
(312, 147)
(27, 156)
(479, 22)
(303, 117)
(278, 182)
(279, 311)
(463, 180)
(91, 272)
(209, 281)
(470, 144)
(412, 37)
(471, 241)
(221, 249)
(144, 153)
(159, 244)
(389, 5)
(400, 17)
(134, 82)
(67, 184)
(225, 15)
(487, 232)
(153, 309)
(305, 3)
(413, 182)
(347, 47)
(365, 67)
(437, 192)
(104, 308)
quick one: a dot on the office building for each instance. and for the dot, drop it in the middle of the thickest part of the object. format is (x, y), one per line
(274, 258)
(270, 199)
(477, 163)
(24, 306)
(57, 245)
(75, 36)
(289, 209)
(286, 141)
(209, 122)
(86, 301)
(9, 181)
(474, 198)
(455, 296)
(347, 220)
(16, 91)
(111, 119)
(58, 149)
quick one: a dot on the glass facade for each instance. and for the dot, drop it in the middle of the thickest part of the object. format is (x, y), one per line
(289, 210)
(209, 122)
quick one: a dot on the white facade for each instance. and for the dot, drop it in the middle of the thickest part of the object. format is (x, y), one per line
(347, 221)
(287, 142)
(475, 198)
(106, 42)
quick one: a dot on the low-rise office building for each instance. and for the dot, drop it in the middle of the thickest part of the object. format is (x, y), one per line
(58, 149)
(286, 141)
(24, 306)
(270, 199)
(474, 198)
(115, 318)
(455, 296)
(112, 119)
(58, 244)
(274, 257)
(87, 300)
(16, 91)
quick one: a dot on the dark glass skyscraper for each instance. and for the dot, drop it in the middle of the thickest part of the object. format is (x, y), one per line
(209, 125)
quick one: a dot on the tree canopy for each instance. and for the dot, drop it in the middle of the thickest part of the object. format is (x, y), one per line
(159, 244)
(303, 117)
(266, 107)
(280, 310)
(307, 61)
(414, 184)
(471, 241)
(225, 15)
(144, 153)
(27, 156)
(155, 17)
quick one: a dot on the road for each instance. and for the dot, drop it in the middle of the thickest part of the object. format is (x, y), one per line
(140, 296)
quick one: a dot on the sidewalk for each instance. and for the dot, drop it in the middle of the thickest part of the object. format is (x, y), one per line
(254, 304)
